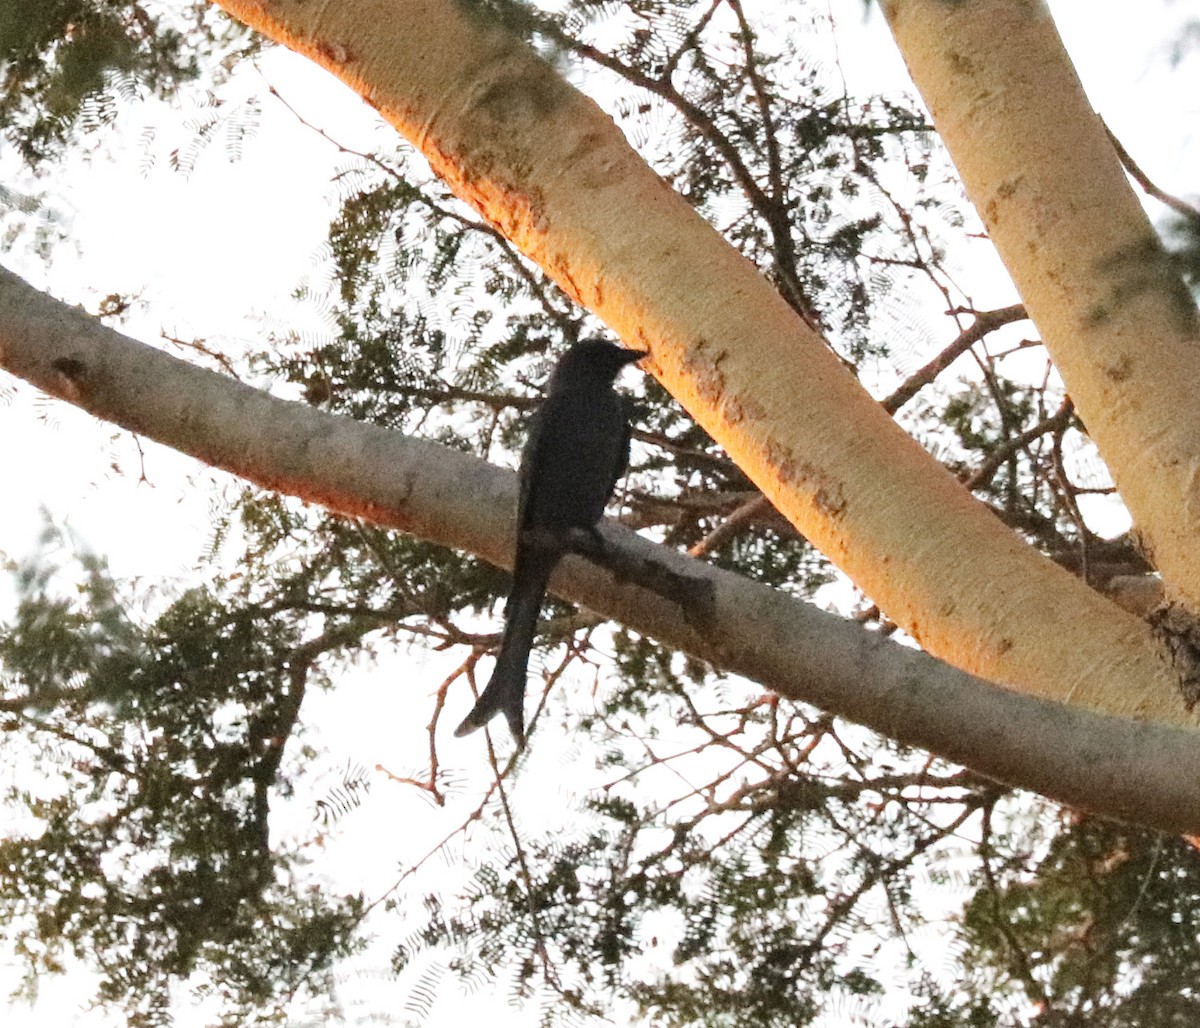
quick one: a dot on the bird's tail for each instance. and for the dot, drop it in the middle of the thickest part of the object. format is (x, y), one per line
(505, 692)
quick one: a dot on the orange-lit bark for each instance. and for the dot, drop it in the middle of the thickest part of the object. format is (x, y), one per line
(1136, 770)
(550, 169)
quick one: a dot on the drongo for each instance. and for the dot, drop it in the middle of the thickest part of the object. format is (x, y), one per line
(577, 449)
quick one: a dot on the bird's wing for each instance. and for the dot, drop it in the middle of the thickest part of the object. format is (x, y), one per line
(530, 459)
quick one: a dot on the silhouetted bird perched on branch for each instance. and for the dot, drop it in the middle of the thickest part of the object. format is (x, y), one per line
(578, 448)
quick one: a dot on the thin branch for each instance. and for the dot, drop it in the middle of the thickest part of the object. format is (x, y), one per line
(536, 285)
(882, 870)
(773, 209)
(1179, 206)
(982, 475)
(1020, 959)
(691, 39)
(985, 322)
(387, 169)
(1067, 490)
(200, 347)
(731, 526)
(777, 215)
(533, 904)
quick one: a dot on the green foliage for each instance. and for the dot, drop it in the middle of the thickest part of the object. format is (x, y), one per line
(1101, 929)
(70, 64)
(1183, 237)
(147, 855)
(738, 860)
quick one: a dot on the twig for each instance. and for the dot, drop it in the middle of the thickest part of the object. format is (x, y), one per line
(1068, 495)
(985, 322)
(984, 473)
(530, 892)
(1180, 207)
(728, 528)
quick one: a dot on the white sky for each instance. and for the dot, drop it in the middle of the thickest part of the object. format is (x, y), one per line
(217, 255)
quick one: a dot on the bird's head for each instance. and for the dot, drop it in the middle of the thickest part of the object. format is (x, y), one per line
(594, 359)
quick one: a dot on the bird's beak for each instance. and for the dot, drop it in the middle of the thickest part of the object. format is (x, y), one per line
(633, 356)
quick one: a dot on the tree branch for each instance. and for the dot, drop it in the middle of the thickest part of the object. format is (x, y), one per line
(542, 163)
(1048, 182)
(1178, 205)
(1137, 770)
(985, 322)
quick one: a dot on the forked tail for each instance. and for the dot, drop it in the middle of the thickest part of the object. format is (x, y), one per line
(505, 692)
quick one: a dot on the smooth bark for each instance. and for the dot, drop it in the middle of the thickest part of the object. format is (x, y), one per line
(551, 171)
(1139, 771)
(1041, 169)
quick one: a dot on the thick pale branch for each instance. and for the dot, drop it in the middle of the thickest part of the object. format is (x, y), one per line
(1135, 770)
(552, 172)
(1042, 171)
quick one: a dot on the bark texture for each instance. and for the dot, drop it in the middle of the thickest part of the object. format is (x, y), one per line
(1040, 168)
(1149, 773)
(545, 165)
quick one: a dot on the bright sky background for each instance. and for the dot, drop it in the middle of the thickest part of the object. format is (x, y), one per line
(218, 254)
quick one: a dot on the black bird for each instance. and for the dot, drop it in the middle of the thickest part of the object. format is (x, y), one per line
(578, 447)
